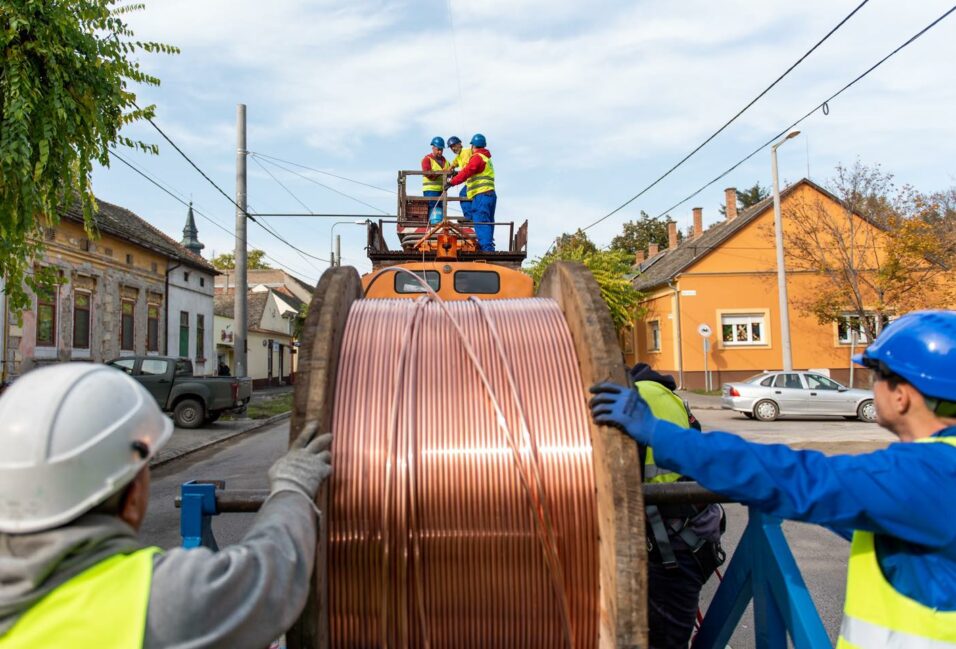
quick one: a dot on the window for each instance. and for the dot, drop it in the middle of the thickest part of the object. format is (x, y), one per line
(851, 322)
(152, 328)
(406, 284)
(81, 320)
(200, 336)
(49, 234)
(127, 332)
(184, 334)
(129, 260)
(654, 336)
(125, 364)
(84, 244)
(185, 276)
(791, 381)
(108, 252)
(767, 382)
(153, 267)
(154, 367)
(817, 382)
(46, 316)
(202, 281)
(184, 368)
(742, 329)
(477, 281)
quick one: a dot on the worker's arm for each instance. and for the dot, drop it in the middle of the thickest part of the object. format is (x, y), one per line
(892, 491)
(475, 166)
(427, 166)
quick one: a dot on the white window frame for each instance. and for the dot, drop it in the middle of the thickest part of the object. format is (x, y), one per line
(748, 319)
(653, 325)
(43, 350)
(862, 338)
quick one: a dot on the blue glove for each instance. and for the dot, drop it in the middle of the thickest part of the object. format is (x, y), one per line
(623, 408)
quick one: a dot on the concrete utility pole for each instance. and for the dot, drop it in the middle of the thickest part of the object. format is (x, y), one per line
(781, 269)
(338, 250)
(241, 309)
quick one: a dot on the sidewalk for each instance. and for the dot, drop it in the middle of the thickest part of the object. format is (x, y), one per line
(185, 441)
(700, 401)
(272, 391)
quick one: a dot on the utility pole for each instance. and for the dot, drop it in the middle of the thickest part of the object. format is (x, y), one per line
(241, 309)
(338, 250)
(785, 348)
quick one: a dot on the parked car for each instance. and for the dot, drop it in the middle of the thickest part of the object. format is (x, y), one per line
(192, 400)
(768, 395)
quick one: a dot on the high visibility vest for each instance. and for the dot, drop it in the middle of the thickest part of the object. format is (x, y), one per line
(103, 607)
(483, 182)
(877, 615)
(462, 158)
(664, 405)
(435, 185)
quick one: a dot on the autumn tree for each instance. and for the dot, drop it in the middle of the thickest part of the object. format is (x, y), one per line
(65, 74)
(636, 235)
(254, 260)
(611, 270)
(874, 253)
(748, 198)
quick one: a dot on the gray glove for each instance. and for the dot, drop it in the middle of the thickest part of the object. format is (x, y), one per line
(305, 467)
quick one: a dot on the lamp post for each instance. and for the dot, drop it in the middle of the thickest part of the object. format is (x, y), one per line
(333, 261)
(786, 349)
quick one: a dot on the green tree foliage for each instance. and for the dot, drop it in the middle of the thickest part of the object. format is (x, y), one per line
(611, 270)
(748, 198)
(635, 235)
(254, 260)
(65, 72)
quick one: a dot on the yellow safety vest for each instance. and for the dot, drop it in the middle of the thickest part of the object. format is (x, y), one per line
(664, 405)
(435, 185)
(877, 615)
(462, 158)
(483, 182)
(103, 607)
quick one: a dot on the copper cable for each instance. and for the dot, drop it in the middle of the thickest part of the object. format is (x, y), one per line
(462, 506)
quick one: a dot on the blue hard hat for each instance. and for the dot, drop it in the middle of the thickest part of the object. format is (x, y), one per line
(920, 347)
(453, 140)
(478, 140)
(437, 141)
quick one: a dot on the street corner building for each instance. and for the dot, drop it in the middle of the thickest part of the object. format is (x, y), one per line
(725, 277)
(131, 290)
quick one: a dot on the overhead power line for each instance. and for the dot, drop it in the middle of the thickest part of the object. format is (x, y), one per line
(728, 122)
(822, 105)
(256, 154)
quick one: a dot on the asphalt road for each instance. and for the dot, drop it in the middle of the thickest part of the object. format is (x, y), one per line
(822, 556)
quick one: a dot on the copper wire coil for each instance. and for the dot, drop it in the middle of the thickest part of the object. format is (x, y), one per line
(450, 526)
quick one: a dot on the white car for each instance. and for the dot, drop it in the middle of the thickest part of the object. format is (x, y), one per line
(769, 395)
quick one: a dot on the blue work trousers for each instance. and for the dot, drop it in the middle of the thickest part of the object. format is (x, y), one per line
(465, 205)
(483, 211)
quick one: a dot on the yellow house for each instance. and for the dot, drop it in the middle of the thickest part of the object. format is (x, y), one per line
(718, 289)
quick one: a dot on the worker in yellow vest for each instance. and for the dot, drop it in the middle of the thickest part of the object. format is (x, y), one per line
(479, 173)
(683, 541)
(77, 439)
(895, 504)
(462, 156)
(434, 183)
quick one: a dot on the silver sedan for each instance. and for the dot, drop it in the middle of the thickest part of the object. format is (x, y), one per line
(771, 394)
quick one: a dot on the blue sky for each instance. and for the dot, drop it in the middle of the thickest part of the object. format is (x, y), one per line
(583, 104)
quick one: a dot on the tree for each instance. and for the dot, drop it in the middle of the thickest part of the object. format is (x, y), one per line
(636, 235)
(609, 267)
(65, 71)
(748, 198)
(875, 255)
(254, 260)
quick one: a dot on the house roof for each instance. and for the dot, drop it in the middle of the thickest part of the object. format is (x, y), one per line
(289, 297)
(668, 263)
(121, 222)
(224, 304)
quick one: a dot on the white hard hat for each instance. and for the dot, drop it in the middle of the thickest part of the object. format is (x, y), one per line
(72, 435)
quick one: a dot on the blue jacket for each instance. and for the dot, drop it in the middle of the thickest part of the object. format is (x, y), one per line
(906, 494)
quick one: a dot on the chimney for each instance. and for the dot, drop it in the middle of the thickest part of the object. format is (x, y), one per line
(671, 234)
(651, 250)
(639, 258)
(730, 196)
(698, 221)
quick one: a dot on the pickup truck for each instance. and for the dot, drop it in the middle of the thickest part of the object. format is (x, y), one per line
(193, 400)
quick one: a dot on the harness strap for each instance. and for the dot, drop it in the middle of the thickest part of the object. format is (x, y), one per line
(660, 536)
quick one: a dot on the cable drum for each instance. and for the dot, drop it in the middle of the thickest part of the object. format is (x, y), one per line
(462, 506)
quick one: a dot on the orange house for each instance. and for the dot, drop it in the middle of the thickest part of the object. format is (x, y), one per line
(723, 280)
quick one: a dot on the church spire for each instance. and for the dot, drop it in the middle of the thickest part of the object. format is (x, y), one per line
(190, 233)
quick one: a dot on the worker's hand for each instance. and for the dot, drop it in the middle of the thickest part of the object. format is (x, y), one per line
(305, 467)
(449, 182)
(624, 409)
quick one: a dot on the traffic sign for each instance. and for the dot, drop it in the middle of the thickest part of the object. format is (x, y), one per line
(704, 330)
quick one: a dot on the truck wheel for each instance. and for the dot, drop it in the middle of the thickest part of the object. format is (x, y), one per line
(189, 414)
(867, 411)
(766, 410)
(212, 417)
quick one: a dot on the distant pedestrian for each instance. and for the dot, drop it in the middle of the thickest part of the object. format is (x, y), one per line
(223, 368)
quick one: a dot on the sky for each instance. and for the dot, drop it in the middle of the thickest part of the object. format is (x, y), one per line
(582, 104)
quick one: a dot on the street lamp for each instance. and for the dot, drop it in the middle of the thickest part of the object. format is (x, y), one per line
(335, 258)
(781, 270)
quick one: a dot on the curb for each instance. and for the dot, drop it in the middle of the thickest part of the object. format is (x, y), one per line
(259, 425)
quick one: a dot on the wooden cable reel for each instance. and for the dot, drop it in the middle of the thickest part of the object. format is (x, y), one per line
(621, 552)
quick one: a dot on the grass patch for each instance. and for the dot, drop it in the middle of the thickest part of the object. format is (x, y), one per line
(268, 407)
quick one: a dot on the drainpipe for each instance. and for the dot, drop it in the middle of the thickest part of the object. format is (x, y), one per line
(680, 344)
(166, 309)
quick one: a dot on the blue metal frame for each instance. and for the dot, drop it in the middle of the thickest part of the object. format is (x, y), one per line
(195, 517)
(763, 570)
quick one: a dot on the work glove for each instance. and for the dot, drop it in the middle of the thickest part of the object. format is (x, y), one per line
(623, 408)
(305, 467)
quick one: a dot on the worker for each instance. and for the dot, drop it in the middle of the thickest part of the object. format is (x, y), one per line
(683, 541)
(74, 479)
(462, 155)
(894, 503)
(433, 184)
(479, 173)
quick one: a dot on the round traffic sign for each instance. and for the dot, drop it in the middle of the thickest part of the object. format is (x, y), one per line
(704, 330)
